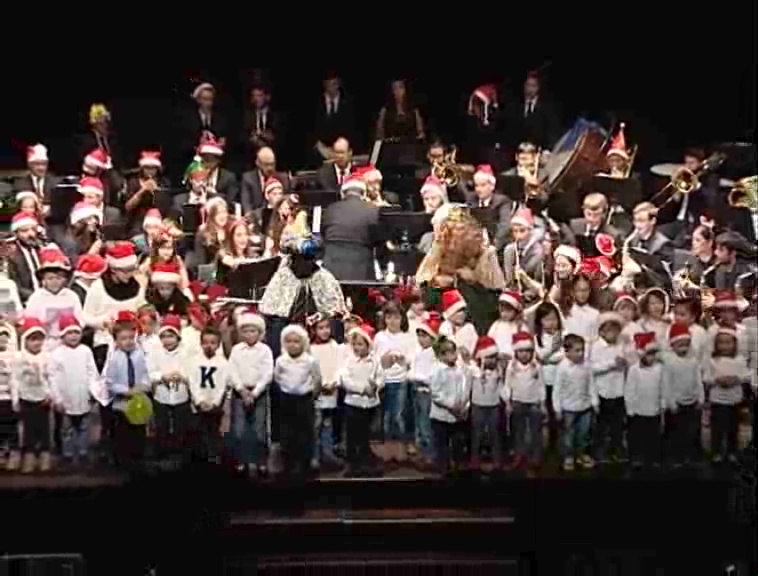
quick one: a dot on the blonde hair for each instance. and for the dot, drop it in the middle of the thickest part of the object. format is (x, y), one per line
(647, 208)
(595, 201)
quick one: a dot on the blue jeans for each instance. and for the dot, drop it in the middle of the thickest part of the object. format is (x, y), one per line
(75, 436)
(526, 423)
(422, 404)
(395, 395)
(249, 431)
(324, 433)
(576, 433)
(484, 423)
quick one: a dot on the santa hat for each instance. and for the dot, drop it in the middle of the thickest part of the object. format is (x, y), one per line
(452, 302)
(487, 95)
(570, 253)
(23, 220)
(660, 292)
(618, 144)
(202, 86)
(148, 158)
(365, 331)
(522, 341)
(485, 346)
(51, 258)
(171, 323)
(272, 184)
(607, 266)
(90, 266)
(152, 218)
(605, 244)
(606, 317)
(165, 273)
(211, 145)
(297, 330)
(125, 316)
(431, 325)
(121, 255)
(68, 323)
(90, 185)
(433, 185)
(29, 326)
(622, 297)
(725, 299)
(353, 183)
(83, 210)
(369, 173)
(524, 217)
(485, 172)
(645, 342)
(215, 291)
(21, 196)
(250, 317)
(589, 267)
(728, 331)
(512, 299)
(678, 331)
(36, 153)
(99, 159)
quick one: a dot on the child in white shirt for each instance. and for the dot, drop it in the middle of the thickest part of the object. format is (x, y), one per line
(524, 395)
(420, 375)
(511, 309)
(8, 400)
(72, 375)
(548, 336)
(583, 316)
(684, 392)
(654, 307)
(251, 366)
(451, 401)
(329, 355)
(147, 339)
(628, 309)
(574, 399)
(487, 381)
(645, 402)
(456, 324)
(687, 311)
(608, 361)
(209, 379)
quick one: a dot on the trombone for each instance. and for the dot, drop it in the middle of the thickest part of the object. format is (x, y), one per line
(684, 181)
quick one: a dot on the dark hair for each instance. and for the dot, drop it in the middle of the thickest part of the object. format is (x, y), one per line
(443, 345)
(645, 300)
(394, 308)
(571, 340)
(545, 309)
(695, 152)
(210, 331)
(436, 143)
(693, 306)
(706, 232)
(717, 354)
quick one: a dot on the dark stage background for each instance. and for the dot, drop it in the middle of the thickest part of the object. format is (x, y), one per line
(679, 80)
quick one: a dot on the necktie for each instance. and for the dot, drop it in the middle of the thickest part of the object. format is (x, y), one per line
(131, 376)
(342, 176)
(39, 187)
(529, 108)
(330, 107)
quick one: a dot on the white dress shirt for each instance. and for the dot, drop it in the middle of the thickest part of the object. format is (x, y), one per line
(607, 377)
(573, 390)
(251, 367)
(643, 394)
(523, 383)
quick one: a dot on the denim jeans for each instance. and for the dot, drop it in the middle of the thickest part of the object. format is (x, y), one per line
(323, 445)
(395, 396)
(576, 433)
(449, 440)
(526, 422)
(484, 423)
(75, 436)
(249, 431)
(422, 404)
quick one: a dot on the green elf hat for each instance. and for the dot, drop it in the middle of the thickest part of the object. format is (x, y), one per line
(195, 167)
(139, 410)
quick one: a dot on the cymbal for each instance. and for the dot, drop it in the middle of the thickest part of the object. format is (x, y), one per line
(666, 170)
(13, 173)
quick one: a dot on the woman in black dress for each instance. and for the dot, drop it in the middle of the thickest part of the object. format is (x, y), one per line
(399, 120)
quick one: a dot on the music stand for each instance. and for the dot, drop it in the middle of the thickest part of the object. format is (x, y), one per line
(487, 219)
(62, 202)
(251, 276)
(114, 232)
(512, 186)
(652, 265)
(626, 192)
(191, 218)
(320, 197)
(405, 230)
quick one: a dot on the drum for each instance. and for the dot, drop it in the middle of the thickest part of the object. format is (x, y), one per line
(576, 157)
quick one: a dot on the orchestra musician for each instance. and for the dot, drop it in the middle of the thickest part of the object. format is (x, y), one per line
(220, 180)
(435, 154)
(581, 232)
(525, 252)
(100, 135)
(333, 174)
(23, 252)
(529, 167)
(84, 234)
(38, 178)
(200, 121)
(649, 239)
(145, 190)
(198, 192)
(273, 192)
(533, 118)
(252, 195)
(98, 164)
(618, 158)
(374, 193)
(483, 126)
(243, 243)
(484, 196)
(288, 220)
(729, 266)
(333, 118)
(211, 235)
(399, 119)
(262, 124)
(93, 194)
(434, 194)
(699, 258)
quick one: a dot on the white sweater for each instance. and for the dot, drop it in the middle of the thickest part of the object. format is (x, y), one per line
(682, 379)
(582, 321)
(464, 337)
(422, 368)
(251, 367)
(549, 356)
(100, 308)
(524, 383)
(297, 376)
(607, 378)
(502, 332)
(725, 366)
(72, 375)
(209, 379)
(30, 372)
(573, 390)
(48, 308)
(330, 356)
(400, 343)
(161, 363)
(486, 386)
(450, 386)
(644, 391)
(8, 391)
(357, 376)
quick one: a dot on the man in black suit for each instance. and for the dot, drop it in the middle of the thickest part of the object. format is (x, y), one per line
(262, 123)
(350, 231)
(220, 180)
(38, 179)
(24, 255)
(332, 175)
(254, 181)
(581, 232)
(534, 119)
(201, 119)
(100, 135)
(333, 118)
(484, 196)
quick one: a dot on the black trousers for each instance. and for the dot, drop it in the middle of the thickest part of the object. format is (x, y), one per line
(449, 441)
(128, 441)
(172, 428)
(297, 415)
(358, 425)
(552, 424)
(208, 437)
(609, 431)
(685, 429)
(8, 426)
(35, 417)
(724, 429)
(645, 439)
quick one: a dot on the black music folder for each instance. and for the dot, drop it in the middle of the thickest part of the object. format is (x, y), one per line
(512, 186)
(627, 192)
(487, 219)
(251, 276)
(191, 218)
(62, 202)
(404, 227)
(320, 197)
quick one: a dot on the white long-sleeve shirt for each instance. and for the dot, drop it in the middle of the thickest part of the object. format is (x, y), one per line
(8, 392)
(502, 331)
(573, 390)
(401, 343)
(73, 374)
(524, 383)
(48, 307)
(464, 337)
(209, 378)
(682, 379)
(751, 340)
(161, 363)
(607, 378)
(582, 321)
(357, 377)
(743, 344)
(30, 372)
(330, 357)
(100, 308)
(725, 366)
(251, 367)
(486, 386)
(297, 376)
(422, 368)
(450, 387)
(644, 390)
(549, 356)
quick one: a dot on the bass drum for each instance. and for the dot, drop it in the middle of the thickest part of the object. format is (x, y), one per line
(573, 162)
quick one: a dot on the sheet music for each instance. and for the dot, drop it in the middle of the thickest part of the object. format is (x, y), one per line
(316, 225)
(375, 151)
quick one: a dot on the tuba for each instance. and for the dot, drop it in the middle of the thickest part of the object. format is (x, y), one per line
(447, 171)
(744, 194)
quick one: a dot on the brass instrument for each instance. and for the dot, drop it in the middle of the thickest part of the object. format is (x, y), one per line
(630, 162)
(684, 180)
(744, 194)
(447, 171)
(533, 190)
